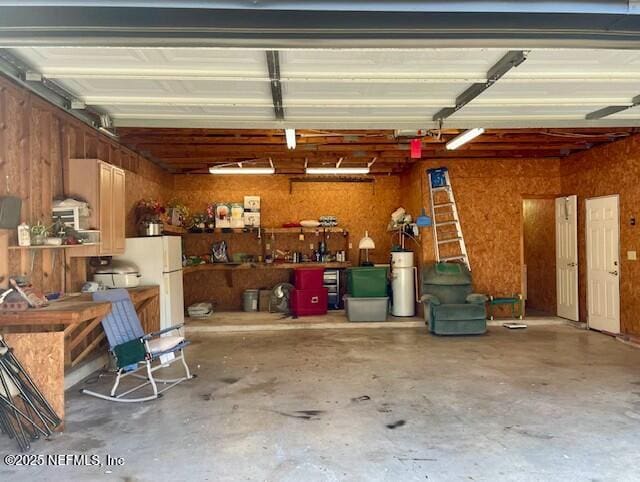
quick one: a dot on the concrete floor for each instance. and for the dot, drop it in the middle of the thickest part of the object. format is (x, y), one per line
(546, 403)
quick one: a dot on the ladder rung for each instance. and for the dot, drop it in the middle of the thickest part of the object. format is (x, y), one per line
(446, 223)
(443, 205)
(452, 240)
(442, 188)
(451, 258)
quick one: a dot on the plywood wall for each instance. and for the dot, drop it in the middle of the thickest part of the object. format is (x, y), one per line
(606, 170)
(36, 139)
(358, 206)
(489, 194)
(540, 254)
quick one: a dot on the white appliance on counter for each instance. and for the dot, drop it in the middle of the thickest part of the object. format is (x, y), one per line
(403, 284)
(118, 274)
(159, 259)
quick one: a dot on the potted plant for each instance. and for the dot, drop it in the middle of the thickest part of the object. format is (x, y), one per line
(198, 223)
(39, 233)
(177, 213)
(150, 213)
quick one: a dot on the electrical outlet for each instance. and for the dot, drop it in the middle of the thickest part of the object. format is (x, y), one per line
(267, 247)
(350, 245)
(311, 246)
(632, 256)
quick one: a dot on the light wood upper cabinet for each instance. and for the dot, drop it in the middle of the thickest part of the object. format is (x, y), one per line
(102, 185)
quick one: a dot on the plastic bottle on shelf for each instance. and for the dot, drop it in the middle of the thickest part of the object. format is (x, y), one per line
(24, 236)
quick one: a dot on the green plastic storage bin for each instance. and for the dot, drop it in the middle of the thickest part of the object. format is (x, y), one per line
(367, 282)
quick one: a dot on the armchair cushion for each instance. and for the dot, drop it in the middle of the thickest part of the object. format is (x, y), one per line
(430, 299)
(477, 298)
(458, 312)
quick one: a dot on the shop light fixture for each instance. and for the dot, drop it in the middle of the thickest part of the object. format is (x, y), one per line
(463, 138)
(290, 134)
(337, 170)
(242, 170)
(225, 169)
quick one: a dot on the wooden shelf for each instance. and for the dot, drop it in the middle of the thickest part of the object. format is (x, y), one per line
(45, 246)
(245, 266)
(224, 231)
(296, 230)
(171, 229)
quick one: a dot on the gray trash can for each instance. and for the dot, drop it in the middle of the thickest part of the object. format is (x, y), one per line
(250, 300)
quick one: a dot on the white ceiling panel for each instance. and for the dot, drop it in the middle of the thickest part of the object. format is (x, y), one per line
(356, 88)
(372, 93)
(63, 62)
(579, 64)
(127, 111)
(140, 88)
(558, 92)
(488, 112)
(349, 112)
(439, 63)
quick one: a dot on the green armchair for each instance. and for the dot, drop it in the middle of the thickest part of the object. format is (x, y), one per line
(450, 306)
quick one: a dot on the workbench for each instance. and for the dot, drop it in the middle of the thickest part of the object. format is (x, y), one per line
(58, 337)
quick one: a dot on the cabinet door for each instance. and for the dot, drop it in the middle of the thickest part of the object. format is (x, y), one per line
(118, 211)
(106, 208)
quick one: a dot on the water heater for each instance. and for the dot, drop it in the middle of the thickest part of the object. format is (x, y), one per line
(403, 283)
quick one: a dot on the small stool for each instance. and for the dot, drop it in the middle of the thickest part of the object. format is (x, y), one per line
(516, 301)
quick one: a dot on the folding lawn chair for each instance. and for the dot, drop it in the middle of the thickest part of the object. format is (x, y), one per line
(132, 350)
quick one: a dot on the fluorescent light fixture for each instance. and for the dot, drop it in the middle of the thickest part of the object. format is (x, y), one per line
(108, 132)
(242, 170)
(337, 170)
(463, 138)
(290, 134)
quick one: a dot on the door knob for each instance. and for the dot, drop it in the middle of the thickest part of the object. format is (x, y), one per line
(614, 273)
(572, 265)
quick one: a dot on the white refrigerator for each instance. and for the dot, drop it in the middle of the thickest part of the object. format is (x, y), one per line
(159, 259)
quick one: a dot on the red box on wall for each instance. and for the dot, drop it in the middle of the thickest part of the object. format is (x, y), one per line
(309, 302)
(308, 278)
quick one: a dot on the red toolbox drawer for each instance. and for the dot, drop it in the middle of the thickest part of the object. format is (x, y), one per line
(309, 302)
(308, 278)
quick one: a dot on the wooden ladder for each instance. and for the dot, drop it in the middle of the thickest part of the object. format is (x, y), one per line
(445, 215)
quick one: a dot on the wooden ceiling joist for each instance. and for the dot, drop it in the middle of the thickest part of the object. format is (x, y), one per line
(186, 150)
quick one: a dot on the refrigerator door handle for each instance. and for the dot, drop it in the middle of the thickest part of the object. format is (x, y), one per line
(415, 275)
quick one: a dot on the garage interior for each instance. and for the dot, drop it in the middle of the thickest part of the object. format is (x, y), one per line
(351, 133)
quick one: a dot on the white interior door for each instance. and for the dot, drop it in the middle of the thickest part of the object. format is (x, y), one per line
(567, 257)
(603, 264)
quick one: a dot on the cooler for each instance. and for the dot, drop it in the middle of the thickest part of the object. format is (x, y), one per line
(309, 302)
(308, 278)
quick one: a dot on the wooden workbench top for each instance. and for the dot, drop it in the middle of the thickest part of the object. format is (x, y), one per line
(70, 310)
(242, 266)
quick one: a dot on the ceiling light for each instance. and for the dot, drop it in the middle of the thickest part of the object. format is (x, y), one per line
(242, 170)
(337, 170)
(290, 134)
(463, 138)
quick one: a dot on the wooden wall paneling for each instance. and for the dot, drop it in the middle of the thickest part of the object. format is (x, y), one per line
(42, 356)
(610, 169)
(36, 140)
(4, 258)
(539, 249)
(489, 194)
(90, 145)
